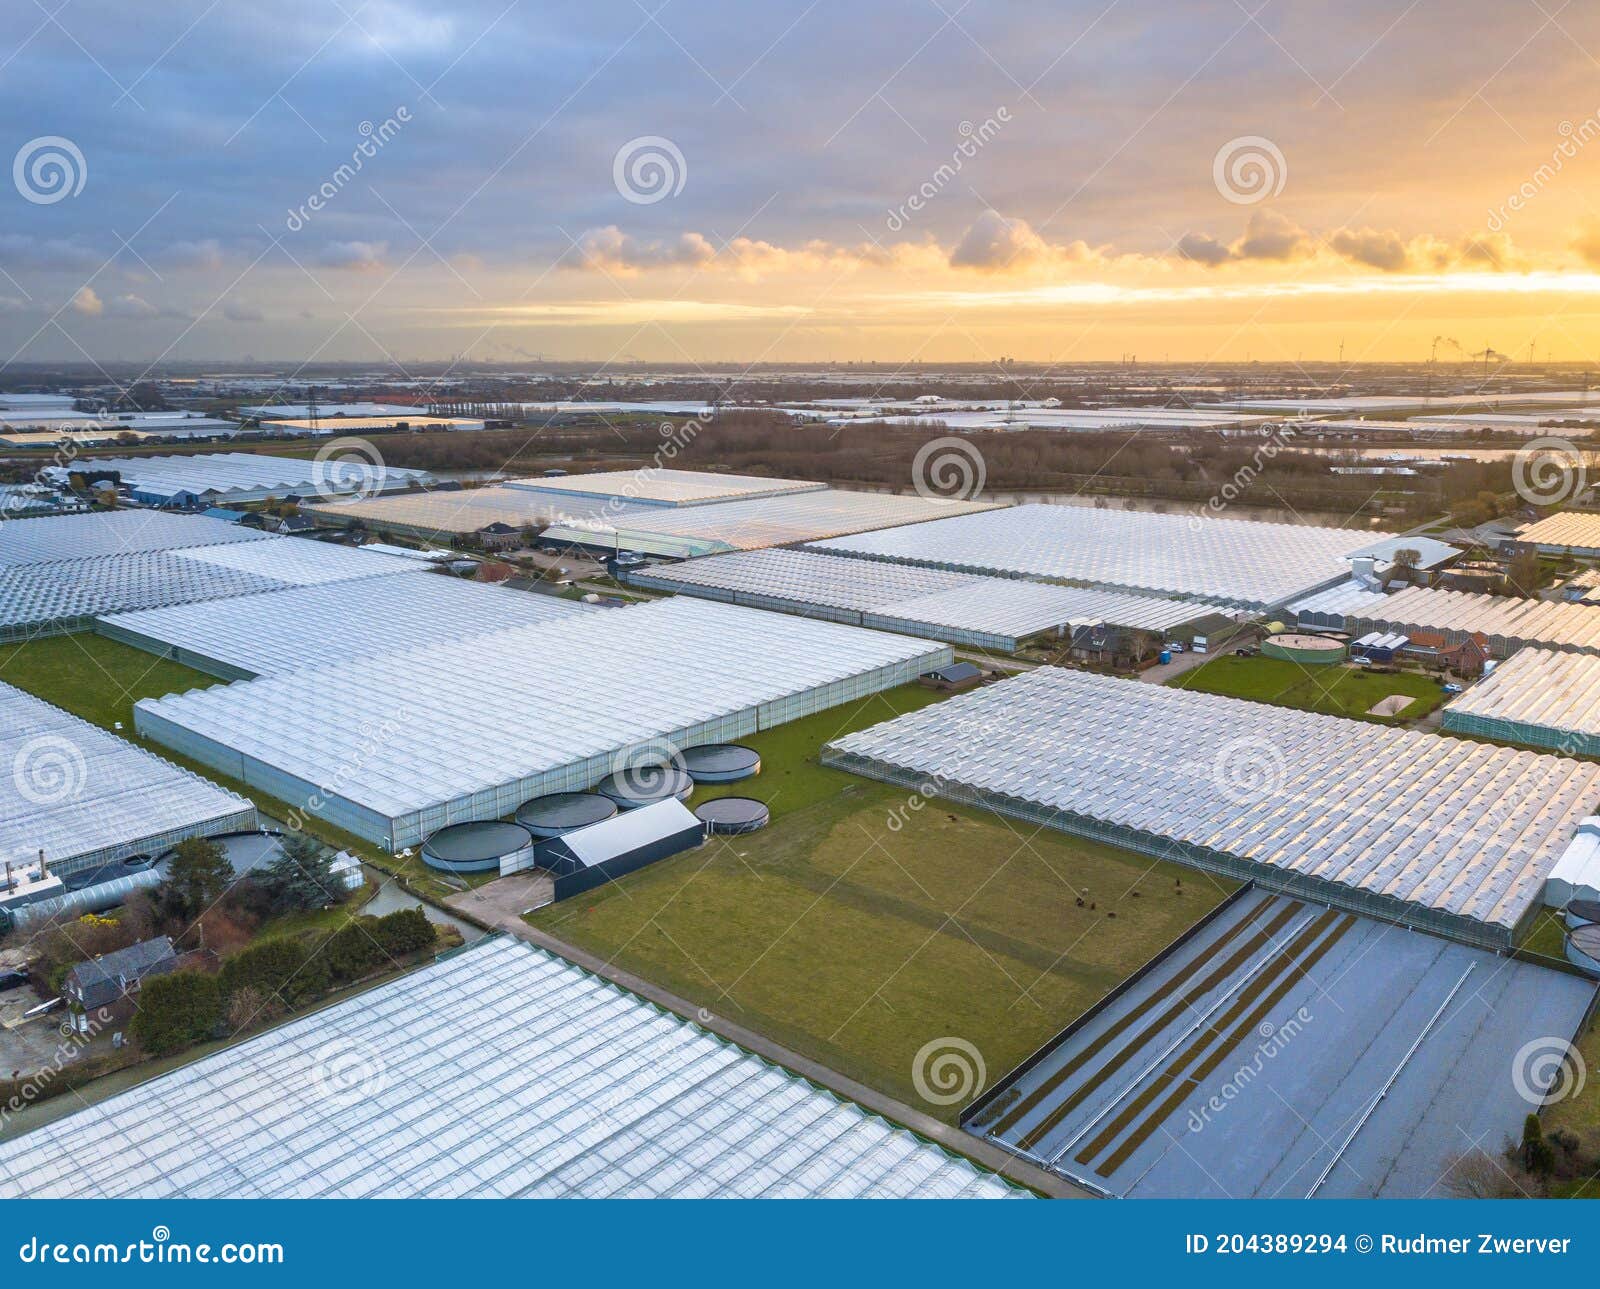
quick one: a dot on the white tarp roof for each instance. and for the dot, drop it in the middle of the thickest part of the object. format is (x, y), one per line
(628, 830)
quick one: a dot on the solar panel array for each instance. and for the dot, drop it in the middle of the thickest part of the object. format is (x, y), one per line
(84, 796)
(499, 1072)
(1238, 562)
(413, 740)
(1410, 825)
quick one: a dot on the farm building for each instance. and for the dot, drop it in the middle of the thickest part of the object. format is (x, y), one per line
(74, 569)
(1236, 562)
(1539, 698)
(602, 852)
(500, 1071)
(467, 730)
(214, 478)
(962, 608)
(275, 632)
(1508, 622)
(1404, 826)
(1568, 530)
(654, 486)
(112, 977)
(85, 797)
(753, 522)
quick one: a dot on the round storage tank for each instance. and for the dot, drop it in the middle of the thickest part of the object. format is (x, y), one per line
(727, 816)
(1583, 948)
(646, 785)
(1581, 912)
(720, 762)
(1297, 647)
(476, 847)
(561, 812)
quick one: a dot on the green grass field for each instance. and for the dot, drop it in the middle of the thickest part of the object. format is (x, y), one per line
(1332, 690)
(93, 677)
(855, 930)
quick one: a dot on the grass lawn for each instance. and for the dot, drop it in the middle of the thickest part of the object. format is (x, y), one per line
(855, 940)
(100, 679)
(94, 677)
(1334, 690)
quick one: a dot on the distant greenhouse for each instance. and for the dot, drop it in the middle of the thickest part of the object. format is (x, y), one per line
(1509, 623)
(963, 608)
(1237, 562)
(500, 1071)
(409, 742)
(208, 478)
(659, 486)
(1410, 827)
(280, 631)
(84, 797)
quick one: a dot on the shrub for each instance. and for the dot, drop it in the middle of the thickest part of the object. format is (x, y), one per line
(177, 1011)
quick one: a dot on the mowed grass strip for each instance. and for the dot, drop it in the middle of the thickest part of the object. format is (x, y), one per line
(856, 929)
(94, 677)
(1333, 690)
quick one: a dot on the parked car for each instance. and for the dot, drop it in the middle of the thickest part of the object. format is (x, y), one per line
(1246, 652)
(1175, 647)
(1453, 688)
(12, 979)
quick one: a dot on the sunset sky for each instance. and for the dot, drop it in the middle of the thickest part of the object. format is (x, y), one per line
(1206, 181)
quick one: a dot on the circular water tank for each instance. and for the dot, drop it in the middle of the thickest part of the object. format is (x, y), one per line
(1581, 912)
(727, 816)
(1299, 647)
(561, 812)
(646, 785)
(720, 762)
(1583, 948)
(477, 847)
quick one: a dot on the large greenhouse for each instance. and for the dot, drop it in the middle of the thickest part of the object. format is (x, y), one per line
(409, 742)
(1237, 562)
(85, 797)
(209, 477)
(54, 590)
(459, 511)
(1508, 622)
(1414, 828)
(968, 609)
(665, 487)
(1539, 698)
(754, 522)
(276, 632)
(498, 1072)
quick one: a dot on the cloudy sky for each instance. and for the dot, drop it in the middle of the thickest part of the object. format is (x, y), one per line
(798, 179)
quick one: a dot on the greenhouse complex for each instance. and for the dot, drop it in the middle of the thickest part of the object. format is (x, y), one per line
(963, 608)
(1509, 623)
(275, 632)
(80, 566)
(84, 797)
(493, 1061)
(465, 730)
(1240, 563)
(1539, 698)
(1405, 826)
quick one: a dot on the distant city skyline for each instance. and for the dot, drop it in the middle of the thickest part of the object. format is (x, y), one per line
(300, 181)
